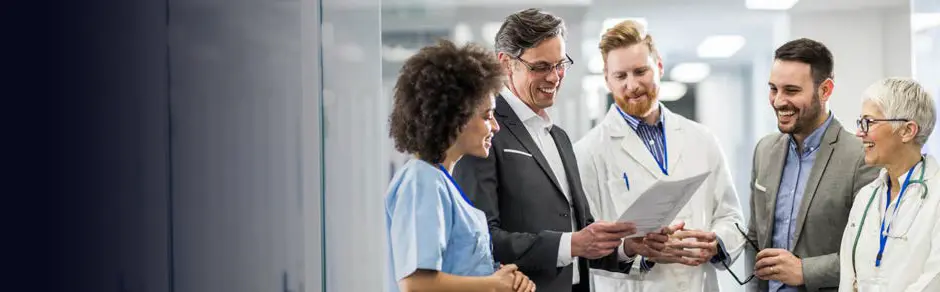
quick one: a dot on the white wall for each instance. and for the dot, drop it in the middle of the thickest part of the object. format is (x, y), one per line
(867, 45)
(927, 58)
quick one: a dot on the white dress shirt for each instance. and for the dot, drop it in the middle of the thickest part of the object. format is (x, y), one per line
(911, 258)
(538, 127)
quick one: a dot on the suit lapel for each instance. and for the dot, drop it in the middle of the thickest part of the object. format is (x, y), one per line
(773, 172)
(505, 114)
(830, 137)
(570, 164)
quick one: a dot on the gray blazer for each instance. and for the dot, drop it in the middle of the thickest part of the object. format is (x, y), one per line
(837, 174)
(526, 210)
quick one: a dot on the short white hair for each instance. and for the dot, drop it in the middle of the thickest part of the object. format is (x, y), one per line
(904, 98)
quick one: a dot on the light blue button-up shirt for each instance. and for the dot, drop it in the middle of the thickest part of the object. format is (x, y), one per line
(431, 227)
(790, 193)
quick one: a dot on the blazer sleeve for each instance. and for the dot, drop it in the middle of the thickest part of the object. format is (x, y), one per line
(479, 178)
(727, 216)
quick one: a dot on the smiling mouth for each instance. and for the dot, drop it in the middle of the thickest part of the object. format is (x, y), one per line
(786, 113)
(548, 90)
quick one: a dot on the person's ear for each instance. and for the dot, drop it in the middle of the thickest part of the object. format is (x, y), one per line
(909, 131)
(825, 89)
(505, 62)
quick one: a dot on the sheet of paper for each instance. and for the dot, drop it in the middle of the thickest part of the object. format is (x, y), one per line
(659, 205)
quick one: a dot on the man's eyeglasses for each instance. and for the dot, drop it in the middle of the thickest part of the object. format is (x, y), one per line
(864, 124)
(543, 67)
(753, 245)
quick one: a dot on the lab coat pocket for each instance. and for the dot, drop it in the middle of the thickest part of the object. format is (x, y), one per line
(620, 195)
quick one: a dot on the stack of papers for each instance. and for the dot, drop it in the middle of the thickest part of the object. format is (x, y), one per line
(659, 205)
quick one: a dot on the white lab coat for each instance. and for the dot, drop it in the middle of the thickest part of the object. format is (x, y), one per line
(613, 148)
(911, 261)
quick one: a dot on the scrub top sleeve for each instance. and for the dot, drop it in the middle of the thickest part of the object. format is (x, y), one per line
(419, 226)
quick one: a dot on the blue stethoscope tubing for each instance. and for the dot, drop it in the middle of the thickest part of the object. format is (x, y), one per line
(923, 195)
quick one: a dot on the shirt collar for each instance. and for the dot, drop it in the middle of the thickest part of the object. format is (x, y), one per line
(815, 138)
(526, 114)
(634, 122)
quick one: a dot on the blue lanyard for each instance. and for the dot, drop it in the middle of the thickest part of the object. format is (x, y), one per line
(662, 130)
(883, 234)
(441, 167)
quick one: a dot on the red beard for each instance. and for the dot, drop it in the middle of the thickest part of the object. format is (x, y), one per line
(638, 109)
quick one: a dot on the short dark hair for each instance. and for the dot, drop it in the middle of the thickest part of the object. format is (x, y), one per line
(811, 52)
(437, 92)
(526, 29)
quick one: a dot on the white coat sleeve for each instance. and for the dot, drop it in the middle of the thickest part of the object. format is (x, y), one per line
(727, 211)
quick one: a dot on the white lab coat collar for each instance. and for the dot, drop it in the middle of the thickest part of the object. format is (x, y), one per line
(929, 162)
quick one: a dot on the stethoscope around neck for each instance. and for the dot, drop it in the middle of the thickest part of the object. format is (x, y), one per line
(874, 193)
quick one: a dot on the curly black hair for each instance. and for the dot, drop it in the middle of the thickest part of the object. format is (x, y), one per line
(436, 94)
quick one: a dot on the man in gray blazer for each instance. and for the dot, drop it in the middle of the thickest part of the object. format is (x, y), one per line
(529, 186)
(804, 179)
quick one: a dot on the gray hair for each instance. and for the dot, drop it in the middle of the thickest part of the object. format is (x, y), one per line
(526, 29)
(902, 98)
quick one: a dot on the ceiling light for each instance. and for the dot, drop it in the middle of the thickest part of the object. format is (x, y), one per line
(770, 4)
(924, 21)
(689, 72)
(720, 46)
(611, 22)
(672, 91)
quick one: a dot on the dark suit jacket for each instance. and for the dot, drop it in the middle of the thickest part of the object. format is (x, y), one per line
(837, 175)
(524, 204)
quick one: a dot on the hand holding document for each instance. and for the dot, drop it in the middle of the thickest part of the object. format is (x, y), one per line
(659, 205)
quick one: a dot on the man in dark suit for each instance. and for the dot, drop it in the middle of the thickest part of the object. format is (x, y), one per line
(529, 187)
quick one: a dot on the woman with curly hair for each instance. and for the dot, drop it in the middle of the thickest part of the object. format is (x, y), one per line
(443, 109)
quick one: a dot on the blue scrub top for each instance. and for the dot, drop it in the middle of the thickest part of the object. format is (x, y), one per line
(430, 226)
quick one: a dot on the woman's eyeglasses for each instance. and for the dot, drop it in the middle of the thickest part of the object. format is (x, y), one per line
(864, 124)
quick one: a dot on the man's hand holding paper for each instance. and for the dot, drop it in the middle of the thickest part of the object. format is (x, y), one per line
(696, 247)
(659, 205)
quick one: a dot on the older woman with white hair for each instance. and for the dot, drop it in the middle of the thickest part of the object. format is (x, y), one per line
(892, 239)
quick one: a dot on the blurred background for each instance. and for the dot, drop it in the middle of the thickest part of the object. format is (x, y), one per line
(717, 56)
(256, 154)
